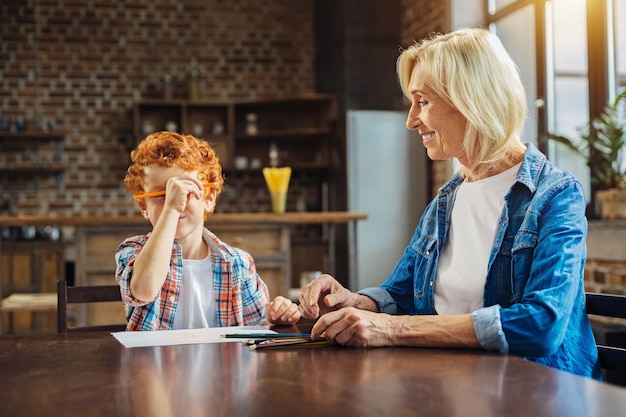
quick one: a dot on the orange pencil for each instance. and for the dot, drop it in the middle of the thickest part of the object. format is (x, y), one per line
(160, 193)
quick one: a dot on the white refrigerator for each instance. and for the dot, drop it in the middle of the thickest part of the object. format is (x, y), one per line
(387, 179)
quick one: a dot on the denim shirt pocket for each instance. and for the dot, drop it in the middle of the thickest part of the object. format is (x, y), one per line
(512, 266)
(425, 247)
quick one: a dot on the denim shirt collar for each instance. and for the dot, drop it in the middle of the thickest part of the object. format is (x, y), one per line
(528, 175)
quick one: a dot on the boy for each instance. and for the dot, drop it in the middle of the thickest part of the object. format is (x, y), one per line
(181, 275)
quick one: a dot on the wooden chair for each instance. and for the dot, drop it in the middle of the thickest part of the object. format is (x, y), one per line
(87, 294)
(612, 352)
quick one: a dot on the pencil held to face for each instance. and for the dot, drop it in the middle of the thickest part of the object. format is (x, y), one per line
(160, 193)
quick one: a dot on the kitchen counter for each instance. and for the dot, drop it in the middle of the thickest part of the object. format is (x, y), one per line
(266, 236)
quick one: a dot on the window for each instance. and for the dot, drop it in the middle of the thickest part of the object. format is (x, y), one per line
(618, 25)
(553, 43)
(522, 50)
(567, 84)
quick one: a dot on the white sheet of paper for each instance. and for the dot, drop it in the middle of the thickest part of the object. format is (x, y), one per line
(185, 336)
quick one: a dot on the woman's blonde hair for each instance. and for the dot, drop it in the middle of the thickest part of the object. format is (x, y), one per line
(167, 149)
(472, 72)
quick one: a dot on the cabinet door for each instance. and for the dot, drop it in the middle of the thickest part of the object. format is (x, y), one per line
(31, 267)
(95, 265)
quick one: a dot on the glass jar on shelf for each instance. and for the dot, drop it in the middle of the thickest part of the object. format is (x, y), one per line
(194, 85)
(251, 125)
(274, 155)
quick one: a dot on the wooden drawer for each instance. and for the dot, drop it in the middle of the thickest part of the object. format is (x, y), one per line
(95, 265)
(260, 242)
(95, 249)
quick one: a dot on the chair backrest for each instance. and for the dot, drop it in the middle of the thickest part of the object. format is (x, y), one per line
(87, 294)
(612, 357)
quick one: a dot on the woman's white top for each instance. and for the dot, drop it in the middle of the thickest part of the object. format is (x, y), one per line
(462, 269)
(196, 304)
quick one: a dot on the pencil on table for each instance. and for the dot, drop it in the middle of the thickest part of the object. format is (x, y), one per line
(289, 344)
(264, 335)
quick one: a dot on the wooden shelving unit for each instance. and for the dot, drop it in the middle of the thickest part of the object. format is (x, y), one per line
(40, 162)
(303, 129)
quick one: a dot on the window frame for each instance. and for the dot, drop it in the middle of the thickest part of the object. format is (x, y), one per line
(601, 72)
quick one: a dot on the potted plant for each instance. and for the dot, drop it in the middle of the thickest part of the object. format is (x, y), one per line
(600, 144)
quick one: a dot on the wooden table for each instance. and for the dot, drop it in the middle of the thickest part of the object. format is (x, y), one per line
(92, 374)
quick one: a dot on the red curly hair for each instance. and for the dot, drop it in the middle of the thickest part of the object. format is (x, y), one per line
(168, 149)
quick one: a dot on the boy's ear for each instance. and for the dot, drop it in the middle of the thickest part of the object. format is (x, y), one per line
(144, 212)
(209, 204)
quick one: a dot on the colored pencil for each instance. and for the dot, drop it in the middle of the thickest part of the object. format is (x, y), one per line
(160, 193)
(264, 335)
(290, 344)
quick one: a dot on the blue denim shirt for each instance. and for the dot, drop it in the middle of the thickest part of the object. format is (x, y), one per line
(534, 299)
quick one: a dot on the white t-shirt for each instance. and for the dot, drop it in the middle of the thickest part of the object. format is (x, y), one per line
(462, 270)
(196, 304)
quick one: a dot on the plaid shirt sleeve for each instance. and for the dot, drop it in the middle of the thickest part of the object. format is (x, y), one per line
(125, 257)
(240, 293)
(254, 292)
(157, 314)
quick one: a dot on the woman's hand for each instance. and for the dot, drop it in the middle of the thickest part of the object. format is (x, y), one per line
(325, 294)
(354, 327)
(282, 311)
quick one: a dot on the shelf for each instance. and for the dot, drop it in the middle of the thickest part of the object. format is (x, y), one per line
(286, 134)
(313, 166)
(32, 135)
(302, 125)
(19, 142)
(34, 169)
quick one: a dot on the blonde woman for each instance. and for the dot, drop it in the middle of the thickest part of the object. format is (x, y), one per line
(496, 262)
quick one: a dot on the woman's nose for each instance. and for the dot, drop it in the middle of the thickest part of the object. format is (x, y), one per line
(412, 119)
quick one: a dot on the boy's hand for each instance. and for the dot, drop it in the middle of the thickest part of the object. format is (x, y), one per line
(180, 189)
(282, 311)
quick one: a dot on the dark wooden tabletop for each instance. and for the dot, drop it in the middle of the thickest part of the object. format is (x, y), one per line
(85, 374)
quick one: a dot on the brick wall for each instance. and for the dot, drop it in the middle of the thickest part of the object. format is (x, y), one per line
(605, 276)
(421, 17)
(82, 64)
(605, 270)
